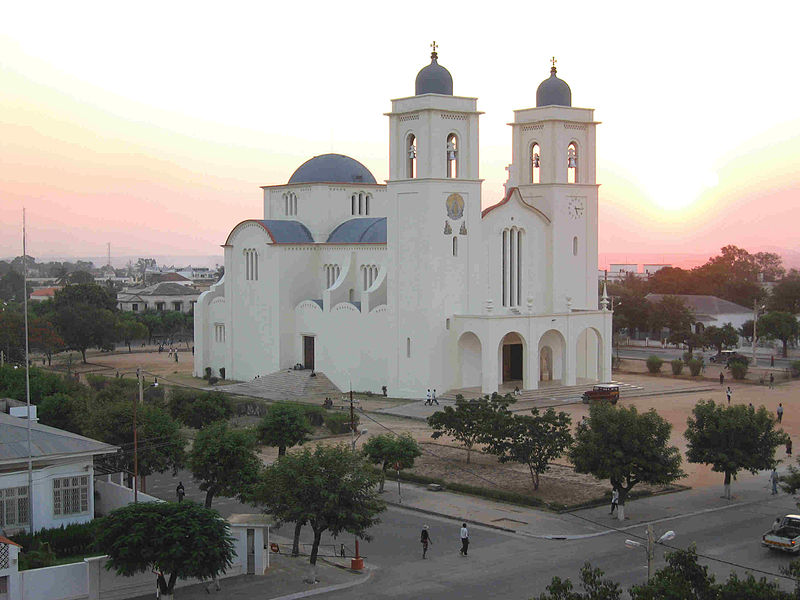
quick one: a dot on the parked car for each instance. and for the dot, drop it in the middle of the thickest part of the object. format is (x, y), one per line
(785, 536)
(726, 357)
(602, 391)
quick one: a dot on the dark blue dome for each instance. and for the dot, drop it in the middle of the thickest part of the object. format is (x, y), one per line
(332, 168)
(434, 79)
(553, 91)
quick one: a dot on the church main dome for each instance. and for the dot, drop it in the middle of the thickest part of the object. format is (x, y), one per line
(434, 79)
(332, 168)
(553, 91)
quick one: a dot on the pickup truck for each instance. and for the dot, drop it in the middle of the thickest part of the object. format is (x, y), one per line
(785, 537)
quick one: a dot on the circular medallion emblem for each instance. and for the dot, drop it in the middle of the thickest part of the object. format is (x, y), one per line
(455, 206)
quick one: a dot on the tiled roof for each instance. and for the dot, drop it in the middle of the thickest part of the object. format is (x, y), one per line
(705, 305)
(287, 232)
(45, 441)
(360, 231)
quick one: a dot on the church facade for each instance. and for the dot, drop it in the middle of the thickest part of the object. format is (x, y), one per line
(410, 284)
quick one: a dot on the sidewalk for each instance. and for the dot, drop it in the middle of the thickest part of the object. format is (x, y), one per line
(284, 580)
(584, 522)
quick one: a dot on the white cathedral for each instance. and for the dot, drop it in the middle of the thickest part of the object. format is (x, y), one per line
(408, 284)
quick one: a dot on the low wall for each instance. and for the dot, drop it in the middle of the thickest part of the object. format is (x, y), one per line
(111, 496)
(65, 582)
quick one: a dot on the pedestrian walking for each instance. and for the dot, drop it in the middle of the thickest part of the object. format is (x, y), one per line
(721, 378)
(425, 539)
(729, 393)
(180, 491)
(215, 581)
(772, 360)
(776, 524)
(614, 500)
(464, 539)
(433, 397)
(789, 446)
(772, 381)
(428, 397)
(780, 412)
(176, 357)
(773, 478)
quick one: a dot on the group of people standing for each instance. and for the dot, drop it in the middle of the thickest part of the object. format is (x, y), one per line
(426, 540)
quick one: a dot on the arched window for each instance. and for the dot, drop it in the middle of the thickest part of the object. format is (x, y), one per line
(411, 153)
(353, 202)
(250, 264)
(512, 267)
(535, 164)
(455, 246)
(366, 203)
(572, 163)
(361, 203)
(331, 275)
(452, 156)
(290, 204)
(408, 347)
(575, 246)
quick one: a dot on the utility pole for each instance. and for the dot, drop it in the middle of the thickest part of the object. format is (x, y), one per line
(140, 376)
(755, 336)
(27, 369)
(650, 551)
(352, 423)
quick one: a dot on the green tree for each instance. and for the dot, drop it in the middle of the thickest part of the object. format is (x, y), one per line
(80, 277)
(785, 295)
(224, 461)
(330, 488)
(43, 336)
(790, 482)
(129, 329)
(625, 447)
(63, 411)
(197, 409)
(175, 540)
(85, 316)
(732, 439)
(779, 326)
(389, 450)
(285, 425)
(12, 287)
(12, 336)
(592, 582)
(671, 312)
(533, 440)
(770, 265)
(721, 337)
(160, 442)
(470, 421)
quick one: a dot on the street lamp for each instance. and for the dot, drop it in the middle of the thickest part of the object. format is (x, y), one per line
(140, 377)
(650, 547)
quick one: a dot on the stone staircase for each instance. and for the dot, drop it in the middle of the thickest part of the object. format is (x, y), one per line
(286, 385)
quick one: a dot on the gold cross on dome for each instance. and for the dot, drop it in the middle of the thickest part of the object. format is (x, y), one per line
(553, 61)
(434, 46)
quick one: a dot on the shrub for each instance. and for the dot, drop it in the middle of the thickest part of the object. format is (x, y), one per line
(654, 364)
(74, 539)
(197, 409)
(738, 369)
(459, 396)
(695, 366)
(795, 367)
(222, 372)
(339, 422)
(315, 415)
(207, 376)
(687, 356)
(677, 366)
(212, 380)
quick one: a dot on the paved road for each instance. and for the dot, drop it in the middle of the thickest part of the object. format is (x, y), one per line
(509, 565)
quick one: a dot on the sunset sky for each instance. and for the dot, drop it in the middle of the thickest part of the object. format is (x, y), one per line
(151, 125)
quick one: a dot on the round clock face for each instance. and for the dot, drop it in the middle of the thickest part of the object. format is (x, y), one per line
(576, 208)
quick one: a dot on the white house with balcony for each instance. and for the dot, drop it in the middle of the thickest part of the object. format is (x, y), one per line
(408, 284)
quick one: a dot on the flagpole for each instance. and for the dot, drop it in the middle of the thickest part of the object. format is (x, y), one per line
(27, 370)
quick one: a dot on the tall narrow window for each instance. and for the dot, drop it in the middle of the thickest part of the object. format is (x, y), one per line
(504, 253)
(572, 163)
(575, 246)
(366, 203)
(361, 203)
(365, 273)
(455, 246)
(353, 204)
(250, 264)
(535, 163)
(408, 347)
(290, 204)
(411, 153)
(512, 266)
(519, 267)
(452, 156)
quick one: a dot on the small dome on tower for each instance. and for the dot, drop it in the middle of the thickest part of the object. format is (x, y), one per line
(553, 91)
(434, 79)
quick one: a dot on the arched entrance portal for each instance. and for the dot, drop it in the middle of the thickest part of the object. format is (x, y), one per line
(469, 360)
(589, 355)
(552, 356)
(512, 358)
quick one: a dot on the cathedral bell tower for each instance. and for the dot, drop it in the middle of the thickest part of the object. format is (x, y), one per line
(554, 168)
(434, 233)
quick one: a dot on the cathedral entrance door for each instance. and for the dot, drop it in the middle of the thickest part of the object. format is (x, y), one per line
(308, 352)
(512, 362)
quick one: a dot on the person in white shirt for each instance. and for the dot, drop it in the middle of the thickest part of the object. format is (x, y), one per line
(614, 500)
(464, 539)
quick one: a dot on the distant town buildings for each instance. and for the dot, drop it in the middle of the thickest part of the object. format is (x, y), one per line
(618, 272)
(160, 297)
